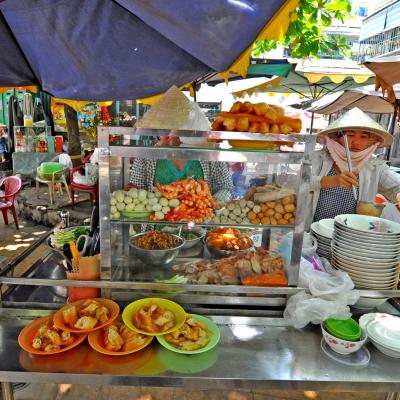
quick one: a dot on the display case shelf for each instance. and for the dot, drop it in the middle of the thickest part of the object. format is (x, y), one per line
(206, 154)
(131, 133)
(202, 224)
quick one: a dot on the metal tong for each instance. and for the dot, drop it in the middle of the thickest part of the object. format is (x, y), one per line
(349, 163)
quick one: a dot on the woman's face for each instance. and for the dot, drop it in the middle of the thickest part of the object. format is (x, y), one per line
(170, 140)
(358, 140)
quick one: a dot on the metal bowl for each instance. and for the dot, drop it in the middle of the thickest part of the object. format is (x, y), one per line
(371, 209)
(189, 243)
(156, 257)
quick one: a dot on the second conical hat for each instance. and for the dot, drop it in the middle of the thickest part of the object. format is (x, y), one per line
(355, 119)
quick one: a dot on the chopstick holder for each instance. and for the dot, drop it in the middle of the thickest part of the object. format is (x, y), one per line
(84, 269)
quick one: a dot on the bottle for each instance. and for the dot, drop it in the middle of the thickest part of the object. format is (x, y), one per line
(64, 219)
(28, 120)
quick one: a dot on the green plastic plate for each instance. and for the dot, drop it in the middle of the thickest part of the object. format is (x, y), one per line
(347, 329)
(214, 339)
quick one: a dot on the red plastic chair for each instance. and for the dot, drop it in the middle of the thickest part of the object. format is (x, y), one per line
(11, 185)
(92, 190)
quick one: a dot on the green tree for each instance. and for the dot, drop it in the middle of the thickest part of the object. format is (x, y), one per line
(305, 36)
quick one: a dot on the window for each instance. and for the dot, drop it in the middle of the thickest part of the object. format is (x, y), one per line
(362, 11)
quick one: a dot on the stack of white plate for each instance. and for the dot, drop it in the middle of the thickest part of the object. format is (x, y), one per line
(384, 332)
(323, 231)
(368, 249)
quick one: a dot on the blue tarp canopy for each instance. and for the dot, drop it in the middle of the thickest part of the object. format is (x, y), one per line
(123, 49)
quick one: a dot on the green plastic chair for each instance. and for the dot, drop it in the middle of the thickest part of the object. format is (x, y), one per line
(53, 175)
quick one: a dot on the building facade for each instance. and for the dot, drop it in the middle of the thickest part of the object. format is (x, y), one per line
(380, 31)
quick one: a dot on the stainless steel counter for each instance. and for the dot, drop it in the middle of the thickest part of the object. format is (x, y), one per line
(248, 356)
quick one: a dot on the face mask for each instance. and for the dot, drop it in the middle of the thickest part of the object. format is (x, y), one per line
(358, 158)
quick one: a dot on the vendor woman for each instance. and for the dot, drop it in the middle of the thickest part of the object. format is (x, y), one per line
(146, 173)
(331, 182)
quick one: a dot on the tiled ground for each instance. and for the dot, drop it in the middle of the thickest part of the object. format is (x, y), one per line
(85, 392)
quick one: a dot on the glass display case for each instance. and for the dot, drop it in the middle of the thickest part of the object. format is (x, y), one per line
(32, 139)
(122, 262)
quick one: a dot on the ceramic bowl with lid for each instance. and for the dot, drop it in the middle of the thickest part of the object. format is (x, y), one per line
(343, 346)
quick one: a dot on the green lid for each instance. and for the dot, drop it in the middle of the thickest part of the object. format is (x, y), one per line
(347, 329)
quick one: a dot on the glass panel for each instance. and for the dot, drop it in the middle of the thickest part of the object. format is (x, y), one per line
(255, 221)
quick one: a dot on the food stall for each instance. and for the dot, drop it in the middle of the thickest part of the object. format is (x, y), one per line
(221, 275)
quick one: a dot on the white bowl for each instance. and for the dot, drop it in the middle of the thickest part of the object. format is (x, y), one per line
(372, 284)
(370, 267)
(365, 237)
(369, 225)
(324, 227)
(368, 303)
(321, 239)
(386, 332)
(386, 350)
(376, 323)
(367, 272)
(324, 246)
(363, 260)
(388, 248)
(368, 278)
(342, 346)
(367, 253)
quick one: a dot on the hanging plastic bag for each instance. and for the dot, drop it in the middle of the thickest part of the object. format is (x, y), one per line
(330, 294)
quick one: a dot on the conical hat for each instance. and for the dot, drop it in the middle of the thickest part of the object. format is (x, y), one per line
(174, 111)
(356, 119)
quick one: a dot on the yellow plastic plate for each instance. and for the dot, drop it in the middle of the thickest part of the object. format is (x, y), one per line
(130, 309)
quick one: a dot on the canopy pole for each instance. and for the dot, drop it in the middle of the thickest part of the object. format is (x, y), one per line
(394, 118)
(312, 122)
(394, 147)
(194, 91)
(314, 95)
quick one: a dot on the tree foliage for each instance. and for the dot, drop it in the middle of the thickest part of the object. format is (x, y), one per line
(305, 36)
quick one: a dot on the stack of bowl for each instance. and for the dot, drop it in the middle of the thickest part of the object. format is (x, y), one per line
(384, 332)
(368, 249)
(323, 231)
(343, 336)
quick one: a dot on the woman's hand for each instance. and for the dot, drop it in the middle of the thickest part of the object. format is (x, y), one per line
(344, 179)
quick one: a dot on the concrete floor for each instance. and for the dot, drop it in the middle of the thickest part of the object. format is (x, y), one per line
(13, 242)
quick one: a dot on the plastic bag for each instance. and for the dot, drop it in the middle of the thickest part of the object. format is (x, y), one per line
(323, 283)
(391, 212)
(302, 308)
(308, 249)
(331, 293)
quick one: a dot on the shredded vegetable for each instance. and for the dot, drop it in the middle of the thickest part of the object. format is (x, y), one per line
(62, 236)
(174, 279)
